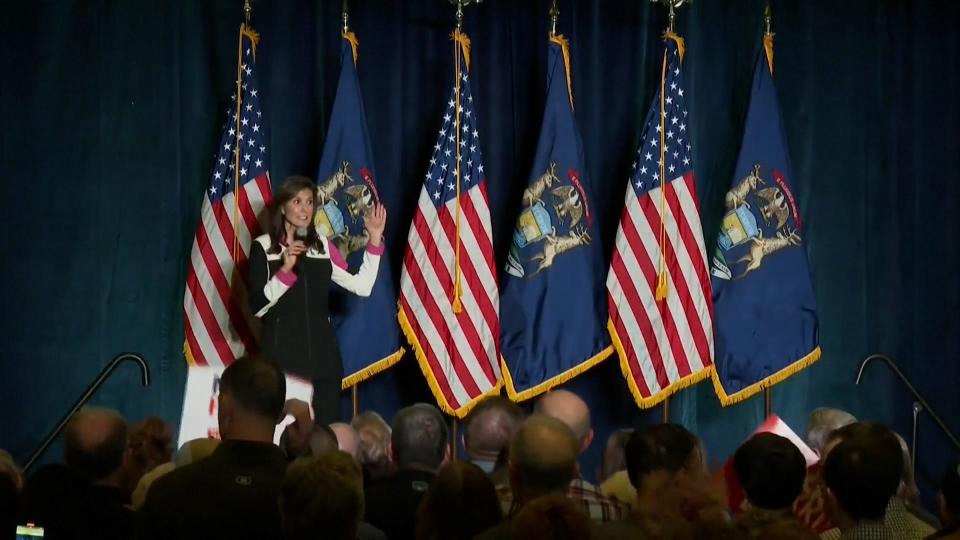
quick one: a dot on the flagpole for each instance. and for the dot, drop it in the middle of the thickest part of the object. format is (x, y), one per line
(661, 292)
(354, 390)
(355, 399)
(767, 402)
(672, 5)
(453, 438)
(554, 16)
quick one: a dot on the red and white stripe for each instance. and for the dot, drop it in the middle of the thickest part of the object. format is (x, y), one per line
(460, 350)
(666, 342)
(219, 328)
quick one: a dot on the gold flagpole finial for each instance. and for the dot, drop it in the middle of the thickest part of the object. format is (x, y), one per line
(554, 16)
(460, 4)
(672, 5)
(767, 18)
(247, 10)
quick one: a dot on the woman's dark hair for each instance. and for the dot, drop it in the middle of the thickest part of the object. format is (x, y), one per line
(460, 504)
(661, 446)
(287, 191)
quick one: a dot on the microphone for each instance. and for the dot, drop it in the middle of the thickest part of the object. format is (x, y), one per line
(300, 234)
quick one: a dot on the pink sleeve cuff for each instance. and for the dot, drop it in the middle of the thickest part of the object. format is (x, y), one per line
(287, 278)
(336, 257)
(376, 250)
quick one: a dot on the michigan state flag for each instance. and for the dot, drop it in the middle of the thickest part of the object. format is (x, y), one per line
(765, 315)
(553, 307)
(366, 327)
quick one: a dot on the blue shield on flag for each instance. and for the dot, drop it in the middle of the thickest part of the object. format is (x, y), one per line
(765, 315)
(366, 328)
(553, 306)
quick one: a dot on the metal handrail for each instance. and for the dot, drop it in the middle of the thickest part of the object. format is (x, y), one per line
(920, 403)
(94, 386)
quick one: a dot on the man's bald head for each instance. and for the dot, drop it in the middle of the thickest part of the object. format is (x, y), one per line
(569, 409)
(543, 457)
(96, 439)
(348, 440)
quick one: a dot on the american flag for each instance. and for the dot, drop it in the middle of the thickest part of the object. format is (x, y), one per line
(218, 326)
(457, 351)
(664, 344)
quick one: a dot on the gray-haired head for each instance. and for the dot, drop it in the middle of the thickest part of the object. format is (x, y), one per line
(824, 420)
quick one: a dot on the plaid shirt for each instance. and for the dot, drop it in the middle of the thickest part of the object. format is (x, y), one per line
(596, 505)
(899, 521)
(869, 531)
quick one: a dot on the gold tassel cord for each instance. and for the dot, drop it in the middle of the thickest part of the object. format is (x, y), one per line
(461, 46)
(249, 33)
(565, 48)
(236, 149)
(768, 48)
(662, 271)
(354, 44)
(662, 283)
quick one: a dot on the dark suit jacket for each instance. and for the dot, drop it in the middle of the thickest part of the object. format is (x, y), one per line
(392, 503)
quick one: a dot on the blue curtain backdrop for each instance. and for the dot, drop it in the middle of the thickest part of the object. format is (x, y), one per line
(109, 115)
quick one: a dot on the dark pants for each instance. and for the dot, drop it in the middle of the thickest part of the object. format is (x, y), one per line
(326, 402)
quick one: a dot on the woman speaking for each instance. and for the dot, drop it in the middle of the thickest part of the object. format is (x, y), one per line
(289, 278)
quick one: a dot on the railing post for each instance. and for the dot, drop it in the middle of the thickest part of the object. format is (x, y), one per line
(94, 386)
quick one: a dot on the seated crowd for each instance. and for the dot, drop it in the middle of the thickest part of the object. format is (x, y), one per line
(520, 478)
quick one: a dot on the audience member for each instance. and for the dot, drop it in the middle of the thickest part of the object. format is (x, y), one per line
(194, 450)
(322, 497)
(573, 411)
(460, 504)
(543, 461)
(861, 474)
(771, 470)
(11, 482)
(420, 445)
(487, 430)
(87, 497)
(348, 440)
(948, 502)
(9, 469)
(151, 444)
(191, 451)
(902, 516)
(139, 496)
(614, 480)
(614, 454)
(716, 529)
(822, 422)
(905, 512)
(375, 454)
(232, 493)
(666, 466)
(322, 441)
(551, 517)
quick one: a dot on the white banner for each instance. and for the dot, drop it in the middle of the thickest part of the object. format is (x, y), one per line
(199, 419)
